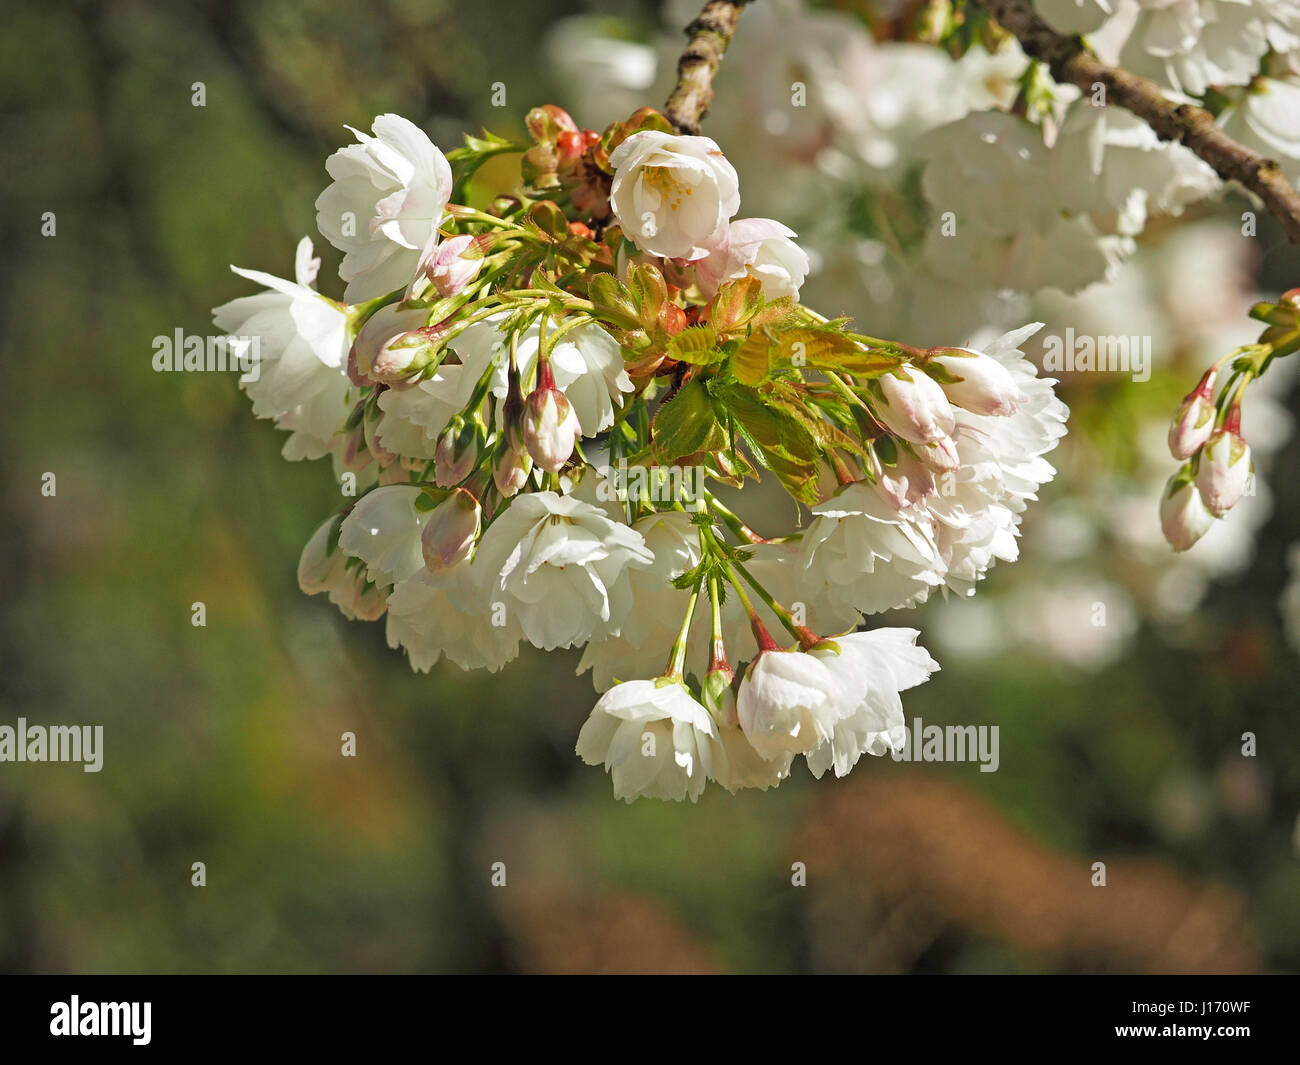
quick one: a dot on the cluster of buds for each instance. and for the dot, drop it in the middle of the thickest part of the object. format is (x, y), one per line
(567, 159)
(911, 419)
(1206, 431)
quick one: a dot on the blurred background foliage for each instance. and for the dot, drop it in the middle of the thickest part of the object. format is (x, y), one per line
(222, 743)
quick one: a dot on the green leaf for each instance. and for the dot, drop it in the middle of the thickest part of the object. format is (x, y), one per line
(697, 345)
(649, 290)
(685, 424)
(609, 294)
(752, 361)
(477, 150)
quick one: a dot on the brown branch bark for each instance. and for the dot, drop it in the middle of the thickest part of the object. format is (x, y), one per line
(710, 34)
(1188, 124)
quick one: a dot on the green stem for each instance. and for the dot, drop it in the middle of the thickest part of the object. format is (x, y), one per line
(677, 660)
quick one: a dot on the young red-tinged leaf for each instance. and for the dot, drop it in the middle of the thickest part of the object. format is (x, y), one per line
(735, 304)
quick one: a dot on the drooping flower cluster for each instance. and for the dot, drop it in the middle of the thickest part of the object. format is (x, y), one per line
(1206, 433)
(534, 408)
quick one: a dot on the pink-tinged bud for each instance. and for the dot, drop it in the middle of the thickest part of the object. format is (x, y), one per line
(1183, 517)
(906, 482)
(1194, 421)
(985, 386)
(394, 343)
(1225, 468)
(511, 473)
(449, 536)
(456, 454)
(453, 264)
(914, 406)
(550, 428)
(940, 456)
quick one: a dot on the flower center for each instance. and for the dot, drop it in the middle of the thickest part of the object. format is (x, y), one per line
(664, 180)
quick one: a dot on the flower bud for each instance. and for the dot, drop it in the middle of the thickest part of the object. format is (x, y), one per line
(1194, 421)
(1225, 468)
(550, 428)
(1183, 517)
(511, 471)
(394, 343)
(453, 264)
(914, 406)
(940, 456)
(985, 386)
(719, 697)
(457, 452)
(449, 535)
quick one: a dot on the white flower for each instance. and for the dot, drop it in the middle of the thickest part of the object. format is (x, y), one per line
(1073, 16)
(383, 208)
(645, 637)
(322, 569)
(1002, 466)
(653, 738)
(301, 379)
(756, 247)
(673, 194)
(437, 614)
(1267, 119)
(587, 364)
(865, 555)
(1107, 159)
(984, 176)
(871, 669)
(559, 568)
(737, 765)
(383, 530)
(789, 703)
(1190, 45)
(863, 552)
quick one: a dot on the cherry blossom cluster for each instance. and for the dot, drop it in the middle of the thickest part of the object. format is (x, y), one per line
(548, 409)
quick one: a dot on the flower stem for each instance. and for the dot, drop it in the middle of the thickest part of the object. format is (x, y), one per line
(806, 637)
(677, 659)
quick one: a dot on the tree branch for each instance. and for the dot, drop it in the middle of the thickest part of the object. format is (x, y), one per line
(710, 34)
(1188, 124)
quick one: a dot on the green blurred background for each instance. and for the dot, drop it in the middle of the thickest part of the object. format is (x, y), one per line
(222, 743)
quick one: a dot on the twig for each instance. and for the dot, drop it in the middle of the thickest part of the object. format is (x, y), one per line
(710, 34)
(1069, 61)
